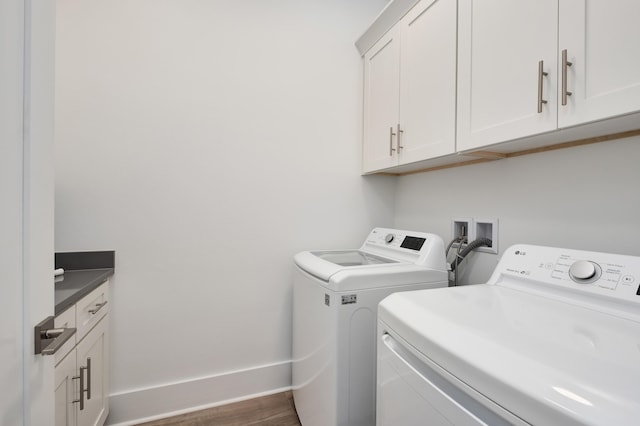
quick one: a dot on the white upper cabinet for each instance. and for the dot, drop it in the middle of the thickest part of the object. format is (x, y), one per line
(531, 67)
(501, 45)
(427, 81)
(409, 92)
(465, 81)
(601, 40)
(381, 102)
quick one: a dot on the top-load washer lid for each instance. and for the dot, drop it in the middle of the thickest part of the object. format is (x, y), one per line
(387, 257)
(547, 341)
(351, 257)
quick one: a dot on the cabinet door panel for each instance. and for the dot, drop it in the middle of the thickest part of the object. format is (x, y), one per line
(381, 99)
(95, 347)
(427, 81)
(66, 390)
(500, 45)
(601, 39)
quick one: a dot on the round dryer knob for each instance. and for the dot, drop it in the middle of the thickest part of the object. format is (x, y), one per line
(582, 271)
(388, 238)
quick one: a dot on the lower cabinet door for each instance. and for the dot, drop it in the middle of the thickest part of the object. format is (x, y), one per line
(92, 353)
(66, 391)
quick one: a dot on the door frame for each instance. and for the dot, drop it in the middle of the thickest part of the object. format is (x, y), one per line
(26, 120)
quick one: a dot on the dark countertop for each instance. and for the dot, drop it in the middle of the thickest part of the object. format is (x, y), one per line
(83, 273)
(74, 285)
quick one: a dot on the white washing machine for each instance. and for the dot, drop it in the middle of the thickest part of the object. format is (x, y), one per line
(335, 298)
(552, 339)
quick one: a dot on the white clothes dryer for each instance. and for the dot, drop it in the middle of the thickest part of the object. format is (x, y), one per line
(553, 338)
(335, 299)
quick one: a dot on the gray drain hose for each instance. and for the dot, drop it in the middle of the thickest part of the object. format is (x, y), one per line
(479, 242)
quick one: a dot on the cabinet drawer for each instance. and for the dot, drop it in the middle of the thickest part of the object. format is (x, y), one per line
(90, 309)
(67, 319)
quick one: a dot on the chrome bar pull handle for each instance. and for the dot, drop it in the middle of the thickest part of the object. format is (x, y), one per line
(541, 75)
(565, 64)
(400, 131)
(88, 377)
(82, 389)
(97, 308)
(391, 135)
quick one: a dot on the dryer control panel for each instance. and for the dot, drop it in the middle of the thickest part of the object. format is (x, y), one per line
(581, 274)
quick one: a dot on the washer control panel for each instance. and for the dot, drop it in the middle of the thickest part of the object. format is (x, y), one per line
(605, 274)
(397, 239)
(419, 248)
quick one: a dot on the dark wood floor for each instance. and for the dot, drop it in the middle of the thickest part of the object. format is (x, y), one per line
(271, 410)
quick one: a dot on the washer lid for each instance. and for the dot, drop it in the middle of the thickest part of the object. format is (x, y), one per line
(351, 257)
(546, 361)
(346, 270)
(325, 264)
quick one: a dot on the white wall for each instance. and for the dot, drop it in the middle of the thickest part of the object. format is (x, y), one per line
(583, 198)
(207, 141)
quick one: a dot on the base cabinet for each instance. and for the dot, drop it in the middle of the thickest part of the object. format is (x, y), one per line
(92, 354)
(82, 375)
(66, 391)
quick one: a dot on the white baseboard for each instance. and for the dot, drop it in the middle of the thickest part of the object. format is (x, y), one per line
(142, 405)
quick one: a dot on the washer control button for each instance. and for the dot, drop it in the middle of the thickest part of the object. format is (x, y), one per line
(582, 271)
(388, 238)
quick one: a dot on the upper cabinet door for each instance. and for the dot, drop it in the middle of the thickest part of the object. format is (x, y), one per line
(381, 103)
(501, 44)
(601, 43)
(428, 81)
